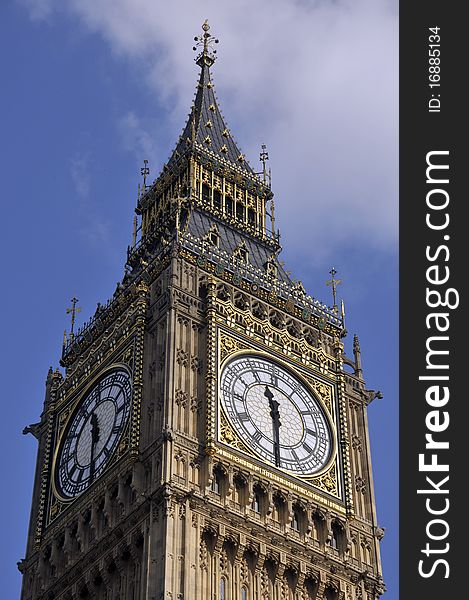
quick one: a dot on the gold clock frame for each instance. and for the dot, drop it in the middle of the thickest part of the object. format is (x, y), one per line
(288, 366)
(65, 417)
(226, 442)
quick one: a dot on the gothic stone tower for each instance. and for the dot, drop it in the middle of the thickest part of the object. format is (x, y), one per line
(207, 439)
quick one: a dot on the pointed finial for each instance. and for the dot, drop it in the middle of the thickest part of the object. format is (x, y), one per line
(334, 283)
(263, 157)
(272, 216)
(206, 42)
(356, 344)
(358, 357)
(134, 232)
(144, 171)
(73, 310)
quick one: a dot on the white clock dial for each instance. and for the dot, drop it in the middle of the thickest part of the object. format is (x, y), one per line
(93, 433)
(276, 414)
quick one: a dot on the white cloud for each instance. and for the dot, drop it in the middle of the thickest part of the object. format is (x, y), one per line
(79, 171)
(137, 138)
(315, 81)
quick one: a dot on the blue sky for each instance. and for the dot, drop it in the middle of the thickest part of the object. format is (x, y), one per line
(89, 91)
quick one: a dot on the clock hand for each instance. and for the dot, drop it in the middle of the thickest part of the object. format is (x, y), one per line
(94, 441)
(275, 414)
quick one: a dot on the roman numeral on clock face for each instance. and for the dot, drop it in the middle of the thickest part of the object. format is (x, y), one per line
(257, 436)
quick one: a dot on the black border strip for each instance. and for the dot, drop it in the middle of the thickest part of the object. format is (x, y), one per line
(425, 127)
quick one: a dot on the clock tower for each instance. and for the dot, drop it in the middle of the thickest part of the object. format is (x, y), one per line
(206, 437)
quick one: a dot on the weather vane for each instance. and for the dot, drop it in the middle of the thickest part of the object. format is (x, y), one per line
(334, 283)
(73, 310)
(207, 40)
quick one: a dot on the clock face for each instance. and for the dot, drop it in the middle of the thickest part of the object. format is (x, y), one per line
(276, 414)
(93, 433)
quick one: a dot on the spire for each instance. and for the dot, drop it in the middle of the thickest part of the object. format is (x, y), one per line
(206, 130)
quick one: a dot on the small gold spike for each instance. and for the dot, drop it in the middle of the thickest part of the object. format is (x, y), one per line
(241, 158)
(207, 140)
(208, 123)
(225, 133)
(210, 85)
(224, 149)
(212, 107)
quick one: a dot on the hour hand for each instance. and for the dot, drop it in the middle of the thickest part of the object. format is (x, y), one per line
(274, 412)
(94, 429)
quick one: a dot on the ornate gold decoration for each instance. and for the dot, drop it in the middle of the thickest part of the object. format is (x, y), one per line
(124, 444)
(324, 392)
(228, 436)
(63, 418)
(328, 481)
(128, 356)
(141, 305)
(229, 345)
(210, 377)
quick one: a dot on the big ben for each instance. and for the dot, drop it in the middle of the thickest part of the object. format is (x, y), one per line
(206, 435)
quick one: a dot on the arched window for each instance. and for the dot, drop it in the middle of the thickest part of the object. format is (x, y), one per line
(295, 522)
(216, 481)
(244, 593)
(240, 490)
(222, 589)
(318, 528)
(337, 536)
(331, 594)
(256, 504)
(205, 192)
(217, 199)
(279, 512)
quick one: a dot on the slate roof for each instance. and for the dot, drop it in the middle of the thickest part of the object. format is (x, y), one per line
(207, 126)
(230, 239)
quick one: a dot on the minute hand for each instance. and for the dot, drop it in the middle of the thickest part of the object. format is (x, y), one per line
(94, 441)
(275, 414)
